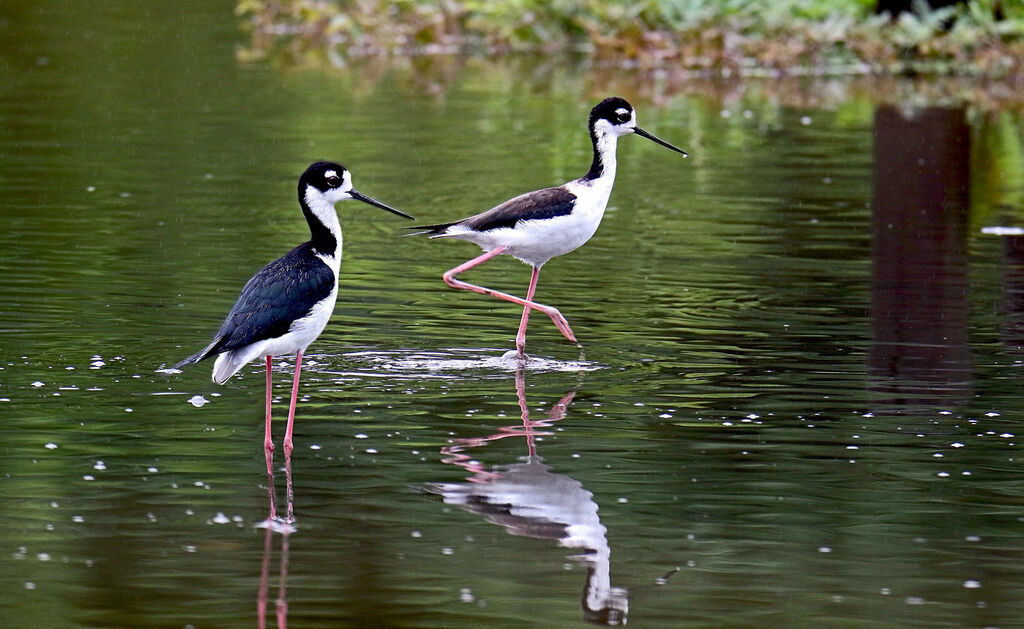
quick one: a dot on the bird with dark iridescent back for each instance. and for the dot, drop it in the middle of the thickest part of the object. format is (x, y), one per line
(539, 225)
(285, 307)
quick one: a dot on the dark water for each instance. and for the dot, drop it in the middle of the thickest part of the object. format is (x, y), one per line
(799, 402)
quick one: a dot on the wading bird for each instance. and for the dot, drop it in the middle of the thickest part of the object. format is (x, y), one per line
(285, 307)
(539, 225)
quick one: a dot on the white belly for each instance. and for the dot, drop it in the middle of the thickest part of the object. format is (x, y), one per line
(537, 241)
(299, 336)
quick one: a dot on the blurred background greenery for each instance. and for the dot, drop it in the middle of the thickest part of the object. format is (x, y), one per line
(972, 37)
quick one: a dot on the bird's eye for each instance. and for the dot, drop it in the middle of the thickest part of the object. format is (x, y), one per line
(623, 116)
(333, 181)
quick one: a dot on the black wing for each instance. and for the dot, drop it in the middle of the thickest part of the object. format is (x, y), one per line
(285, 290)
(539, 204)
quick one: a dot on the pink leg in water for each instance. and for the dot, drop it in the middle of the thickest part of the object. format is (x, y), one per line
(449, 279)
(291, 407)
(521, 336)
(268, 450)
(268, 441)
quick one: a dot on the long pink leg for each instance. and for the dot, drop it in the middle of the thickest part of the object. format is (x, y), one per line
(291, 407)
(521, 336)
(268, 441)
(268, 450)
(449, 279)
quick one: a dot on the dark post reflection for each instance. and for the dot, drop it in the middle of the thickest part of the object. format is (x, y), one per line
(528, 499)
(919, 310)
(1013, 293)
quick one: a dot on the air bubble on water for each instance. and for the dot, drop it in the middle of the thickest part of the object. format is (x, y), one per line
(50, 446)
(198, 401)
(38, 383)
(220, 518)
(466, 595)
(99, 465)
(971, 584)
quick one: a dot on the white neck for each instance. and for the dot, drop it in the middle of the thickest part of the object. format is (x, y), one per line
(324, 213)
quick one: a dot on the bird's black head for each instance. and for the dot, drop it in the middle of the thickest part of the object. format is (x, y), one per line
(614, 116)
(326, 176)
(616, 111)
(325, 183)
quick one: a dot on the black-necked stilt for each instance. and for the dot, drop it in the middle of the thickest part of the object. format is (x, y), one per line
(539, 225)
(285, 307)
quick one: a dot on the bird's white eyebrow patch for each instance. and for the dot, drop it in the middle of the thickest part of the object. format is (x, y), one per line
(330, 173)
(621, 110)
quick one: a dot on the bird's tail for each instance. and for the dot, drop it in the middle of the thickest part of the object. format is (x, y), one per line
(430, 230)
(200, 355)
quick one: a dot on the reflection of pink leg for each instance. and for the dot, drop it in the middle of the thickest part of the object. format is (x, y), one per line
(449, 279)
(521, 336)
(281, 604)
(261, 596)
(524, 412)
(291, 407)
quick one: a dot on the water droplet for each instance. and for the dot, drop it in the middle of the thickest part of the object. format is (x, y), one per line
(971, 584)
(50, 446)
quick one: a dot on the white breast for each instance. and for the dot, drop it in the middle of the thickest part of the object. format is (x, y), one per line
(537, 241)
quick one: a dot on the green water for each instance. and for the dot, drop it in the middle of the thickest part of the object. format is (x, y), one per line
(799, 387)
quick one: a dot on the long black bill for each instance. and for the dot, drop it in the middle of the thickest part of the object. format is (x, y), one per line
(375, 203)
(653, 138)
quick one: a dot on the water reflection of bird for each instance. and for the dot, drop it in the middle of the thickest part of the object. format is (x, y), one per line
(530, 500)
(285, 307)
(262, 595)
(537, 226)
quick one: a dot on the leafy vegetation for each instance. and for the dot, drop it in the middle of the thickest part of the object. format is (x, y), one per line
(724, 37)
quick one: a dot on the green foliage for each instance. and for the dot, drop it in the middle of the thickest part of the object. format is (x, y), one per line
(730, 36)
